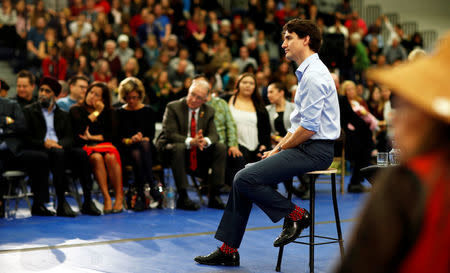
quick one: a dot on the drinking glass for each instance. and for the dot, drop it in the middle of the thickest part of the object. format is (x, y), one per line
(383, 159)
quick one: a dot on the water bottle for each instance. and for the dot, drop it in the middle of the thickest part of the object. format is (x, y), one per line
(147, 195)
(394, 154)
(170, 198)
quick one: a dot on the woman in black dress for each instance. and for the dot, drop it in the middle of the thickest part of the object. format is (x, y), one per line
(94, 128)
(137, 129)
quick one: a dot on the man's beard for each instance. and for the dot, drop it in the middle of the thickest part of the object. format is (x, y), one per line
(45, 102)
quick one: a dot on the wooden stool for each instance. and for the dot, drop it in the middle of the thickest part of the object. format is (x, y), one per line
(311, 235)
(19, 177)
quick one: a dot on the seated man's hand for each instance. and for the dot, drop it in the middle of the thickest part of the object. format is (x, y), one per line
(199, 141)
(269, 153)
(49, 143)
(234, 151)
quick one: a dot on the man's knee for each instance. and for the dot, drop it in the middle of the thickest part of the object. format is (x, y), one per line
(242, 179)
(177, 151)
(34, 158)
(57, 154)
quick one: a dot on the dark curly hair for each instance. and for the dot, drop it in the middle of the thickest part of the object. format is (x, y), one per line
(305, 28)
(106, 96)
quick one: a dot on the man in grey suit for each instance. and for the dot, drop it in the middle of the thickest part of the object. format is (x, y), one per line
(190, 139)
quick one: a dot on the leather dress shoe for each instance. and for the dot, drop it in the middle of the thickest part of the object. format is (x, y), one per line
(292, 230)
(225, 189)
(65, 210)
(41, 210)
(90, 208)
(305, 195)
(215, 202)
(219, 258)
(302, 191)
(187, 204)
(356, 188)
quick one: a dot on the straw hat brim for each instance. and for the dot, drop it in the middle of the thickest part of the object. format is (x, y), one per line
(425, 82)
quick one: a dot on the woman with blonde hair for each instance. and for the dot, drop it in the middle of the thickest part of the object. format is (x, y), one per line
(137, 129)
(358, 104)
(358, 133)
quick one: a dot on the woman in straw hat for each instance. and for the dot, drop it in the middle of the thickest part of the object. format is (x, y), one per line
(405, 226)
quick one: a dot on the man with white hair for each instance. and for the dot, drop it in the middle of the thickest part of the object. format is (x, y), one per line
(395, 52)
(110, 55)
(189, 137)
(124, 51)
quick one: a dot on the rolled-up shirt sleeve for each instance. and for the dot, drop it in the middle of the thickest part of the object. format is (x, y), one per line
(312, 105)
(310, 100)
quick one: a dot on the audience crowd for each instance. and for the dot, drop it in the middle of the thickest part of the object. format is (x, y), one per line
(95, 76)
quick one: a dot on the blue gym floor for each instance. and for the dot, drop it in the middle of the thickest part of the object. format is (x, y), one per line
(162, 240)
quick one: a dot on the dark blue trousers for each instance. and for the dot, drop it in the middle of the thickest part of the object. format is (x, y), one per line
(254, 184)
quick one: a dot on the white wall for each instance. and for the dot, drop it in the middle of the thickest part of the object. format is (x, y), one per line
(429, 14)
(431, 7)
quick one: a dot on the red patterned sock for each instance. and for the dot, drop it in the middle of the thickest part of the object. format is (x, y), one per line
(227, 249)
(297, 213)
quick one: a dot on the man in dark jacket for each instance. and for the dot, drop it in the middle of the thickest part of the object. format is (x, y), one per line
(12, 127)
(188, 134)
(49, 147)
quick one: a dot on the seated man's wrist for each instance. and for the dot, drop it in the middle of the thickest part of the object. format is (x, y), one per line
(188, 142)
(208, 142)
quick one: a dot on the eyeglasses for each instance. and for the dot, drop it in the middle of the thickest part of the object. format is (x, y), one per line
(197, 97)
(132, 98)
(46, 90)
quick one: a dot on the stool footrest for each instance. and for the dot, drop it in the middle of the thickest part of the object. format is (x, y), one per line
(315, 244)
(331, 240)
